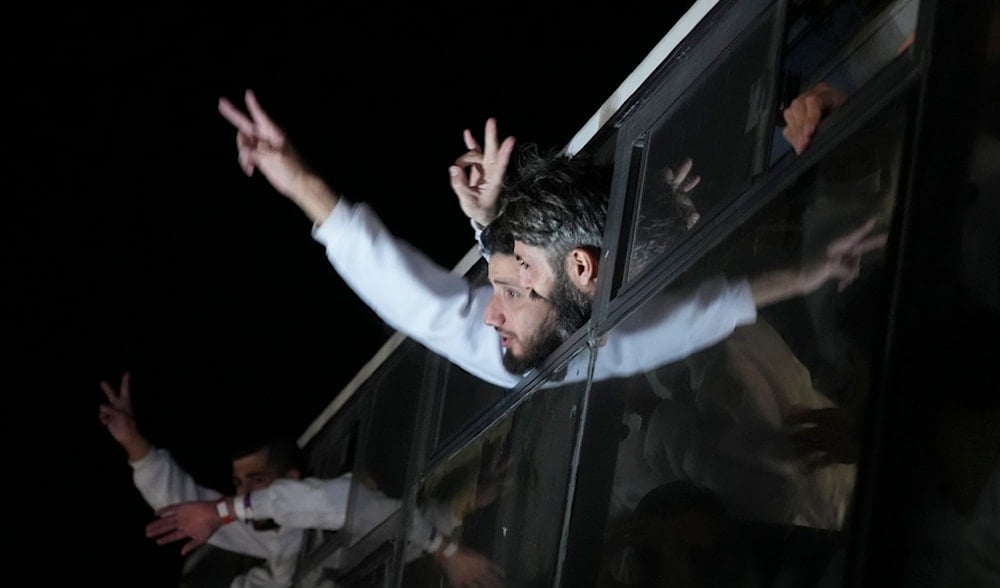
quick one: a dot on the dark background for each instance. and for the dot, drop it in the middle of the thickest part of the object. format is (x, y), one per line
(134, 242)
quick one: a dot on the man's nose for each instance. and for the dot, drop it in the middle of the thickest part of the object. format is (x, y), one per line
(493, 316)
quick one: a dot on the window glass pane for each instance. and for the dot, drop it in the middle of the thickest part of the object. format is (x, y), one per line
(740, 460)
(502, 498)
(464, 398)
(718, 126)
(331, 453)
(841, 45)
(374, 571)
(714, 139)
(846, 41)
(379, 486)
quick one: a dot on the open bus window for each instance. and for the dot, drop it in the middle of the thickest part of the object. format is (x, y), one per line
(841, 45)
(719, 126)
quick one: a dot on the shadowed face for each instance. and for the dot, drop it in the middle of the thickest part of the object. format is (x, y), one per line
(525, 322)
(253, 472)
(534, 271)
(536, 274)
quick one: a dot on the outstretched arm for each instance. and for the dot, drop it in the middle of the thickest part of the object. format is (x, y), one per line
(157, 476)
(262, 145)
(307, 503)
(477, 175)
(116, 414)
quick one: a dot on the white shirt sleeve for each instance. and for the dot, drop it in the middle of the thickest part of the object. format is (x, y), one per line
(307, 503)
(442, 310)
(322, 503)
(437, 308)
(163, 482)
(673, 325)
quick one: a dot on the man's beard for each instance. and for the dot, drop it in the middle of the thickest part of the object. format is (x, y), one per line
(536, 349)
(572, 306)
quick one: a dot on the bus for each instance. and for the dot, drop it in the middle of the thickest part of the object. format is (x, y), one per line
(845, 437)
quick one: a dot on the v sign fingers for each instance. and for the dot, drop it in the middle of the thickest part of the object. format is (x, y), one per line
(120, 399)
(266, 129)
(849, 242)
(254, 128)
(235, 116)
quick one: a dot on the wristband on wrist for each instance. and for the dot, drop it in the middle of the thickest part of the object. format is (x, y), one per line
(446, 552)
(238, 506)
(222, 507)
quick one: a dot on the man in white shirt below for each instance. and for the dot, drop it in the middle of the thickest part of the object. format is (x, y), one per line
(272, 506)
(162, 481)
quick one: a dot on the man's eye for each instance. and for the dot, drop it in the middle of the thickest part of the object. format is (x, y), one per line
(512, 293)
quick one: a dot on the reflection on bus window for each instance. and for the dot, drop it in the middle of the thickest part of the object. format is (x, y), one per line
(717, 127)
(386, 445)
(503, 496)
(831, 50)
(838, 46)
(748, 450)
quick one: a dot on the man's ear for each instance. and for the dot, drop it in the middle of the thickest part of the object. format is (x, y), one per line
(581, 269)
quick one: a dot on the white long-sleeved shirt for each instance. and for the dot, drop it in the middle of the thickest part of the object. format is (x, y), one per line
(322, 503)
(162, 482)
(310, 503)
(444, 311)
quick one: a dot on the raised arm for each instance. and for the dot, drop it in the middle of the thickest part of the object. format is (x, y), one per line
(407, 289)
(156, 475)
(262, 145)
